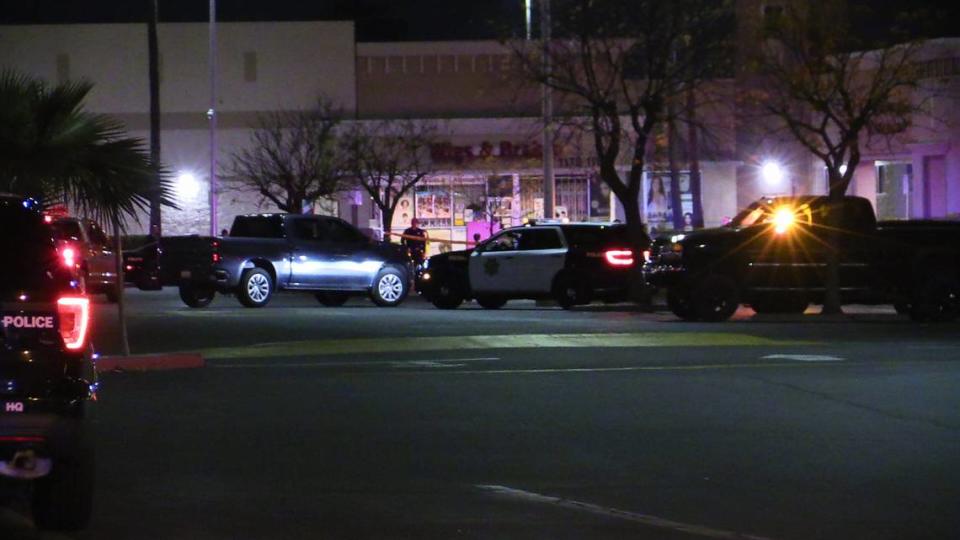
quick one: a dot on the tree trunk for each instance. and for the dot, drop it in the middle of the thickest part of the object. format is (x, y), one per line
(694, 155)
(832, 304)
(676, 202)
(386, 216)
(121, 298)
(156, 221)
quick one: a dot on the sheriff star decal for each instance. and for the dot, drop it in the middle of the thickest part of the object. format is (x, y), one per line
(491, 266)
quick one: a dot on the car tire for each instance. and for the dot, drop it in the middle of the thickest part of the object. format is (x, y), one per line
(937, 299)
(447, 296)
(256, 288)
(63, 500)
(196, 296)
(715, 298)
(569, 291)
(390, 287)
(783, 304)
(678, 302)
(333, 298)
(491, 302)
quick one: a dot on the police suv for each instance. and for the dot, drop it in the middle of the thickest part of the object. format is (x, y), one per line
(572, 263)
(47, 380)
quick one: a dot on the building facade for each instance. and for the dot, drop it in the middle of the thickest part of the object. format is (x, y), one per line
(488, 153)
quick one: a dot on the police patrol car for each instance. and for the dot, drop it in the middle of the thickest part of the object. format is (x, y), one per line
(572, 263)
(47, 379)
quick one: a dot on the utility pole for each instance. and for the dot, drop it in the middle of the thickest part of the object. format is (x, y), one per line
(212, 117)
(547, 109)
(153, 52)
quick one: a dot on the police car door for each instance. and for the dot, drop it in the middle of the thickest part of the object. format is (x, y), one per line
(541, 256)
(492, 266)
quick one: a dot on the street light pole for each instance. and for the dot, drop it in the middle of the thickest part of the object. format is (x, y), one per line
(547, 109)
(212, 117)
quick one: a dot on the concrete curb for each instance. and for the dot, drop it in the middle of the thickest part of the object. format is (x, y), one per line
(150, 362)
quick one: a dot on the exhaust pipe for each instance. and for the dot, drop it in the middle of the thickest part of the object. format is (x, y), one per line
(25, 465)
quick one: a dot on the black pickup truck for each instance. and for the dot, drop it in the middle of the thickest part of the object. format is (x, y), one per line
(267, 252)
(775, 256)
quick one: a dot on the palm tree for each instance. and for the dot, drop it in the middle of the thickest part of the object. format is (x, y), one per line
(53, 150)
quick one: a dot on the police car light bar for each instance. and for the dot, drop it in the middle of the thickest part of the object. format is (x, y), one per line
(74, 314)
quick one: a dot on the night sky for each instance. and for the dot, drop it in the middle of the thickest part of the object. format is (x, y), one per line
(389, 20)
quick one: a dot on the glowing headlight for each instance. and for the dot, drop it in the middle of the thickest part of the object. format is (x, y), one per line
(783, 219)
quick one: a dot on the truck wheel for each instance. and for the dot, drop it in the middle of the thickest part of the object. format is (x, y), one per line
(570, 291)
(936, 300)
(390, 287)
(715, 298)
(332, 299)
(678, 301)
(63, 500)
(780, 304)
(256, 288)
(447, 296)
(196, 296)
(491, 302)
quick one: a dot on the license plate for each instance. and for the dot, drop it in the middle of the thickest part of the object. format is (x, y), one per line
(185, 274)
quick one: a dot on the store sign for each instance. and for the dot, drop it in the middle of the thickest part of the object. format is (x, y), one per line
(447, 152)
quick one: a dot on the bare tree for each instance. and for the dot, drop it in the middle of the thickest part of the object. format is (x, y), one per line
(831, 96)
(295, 157)
(620, 64)
(825, 93)
(388, 158)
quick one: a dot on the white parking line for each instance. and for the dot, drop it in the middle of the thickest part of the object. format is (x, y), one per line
(431, 363)
(651, 521)
(803, 357)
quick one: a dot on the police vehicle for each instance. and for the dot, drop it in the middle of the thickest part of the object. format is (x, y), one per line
(572, 263)
(47, 379)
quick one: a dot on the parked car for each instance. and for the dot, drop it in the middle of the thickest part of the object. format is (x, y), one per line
(47, 378)
(571, 263)
(776, 255)
(84, 242)
(267, 252)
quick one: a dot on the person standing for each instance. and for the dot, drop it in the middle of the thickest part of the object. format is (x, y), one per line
(415, 240)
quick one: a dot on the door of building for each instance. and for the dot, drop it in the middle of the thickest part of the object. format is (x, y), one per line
(934, 187)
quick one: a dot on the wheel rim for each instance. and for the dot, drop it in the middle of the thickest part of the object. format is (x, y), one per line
(258, 287)
(390, 287)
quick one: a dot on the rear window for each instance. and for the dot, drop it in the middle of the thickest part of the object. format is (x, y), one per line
(597, 237)
(257, 227)
(67, 230)
(31, 264)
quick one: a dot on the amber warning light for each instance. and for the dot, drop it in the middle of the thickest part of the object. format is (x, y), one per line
(783, 219)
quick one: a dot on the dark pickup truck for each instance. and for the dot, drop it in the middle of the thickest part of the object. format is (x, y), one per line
(267, 252)
(775, 256)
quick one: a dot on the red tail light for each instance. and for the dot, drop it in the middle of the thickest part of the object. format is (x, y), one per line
(74, 314)
(69, 257)
(618, 257)
(215, 257)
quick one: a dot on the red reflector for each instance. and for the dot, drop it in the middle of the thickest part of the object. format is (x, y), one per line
(215, 257)
(21, 439)
(74, 314)
(618, 257)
